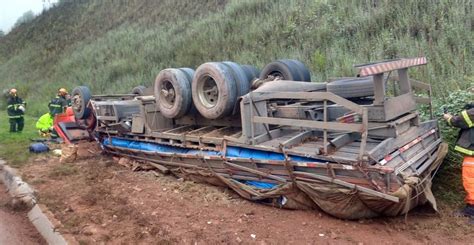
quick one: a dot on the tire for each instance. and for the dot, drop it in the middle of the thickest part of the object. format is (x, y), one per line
(302, 70)
(139, 90)
(296, 86)
(188, 71)
(81, 96)
(352, 87)
(220, 101)
(282, 68)
(241, 78)
(173, 93)
(251, 71)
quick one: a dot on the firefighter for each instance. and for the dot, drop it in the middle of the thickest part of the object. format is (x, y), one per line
(15, 110)
(465, 145)
(59, 103)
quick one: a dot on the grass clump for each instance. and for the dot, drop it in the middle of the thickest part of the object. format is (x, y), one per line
(63, 170)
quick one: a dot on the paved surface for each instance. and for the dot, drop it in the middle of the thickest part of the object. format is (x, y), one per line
(15, 227)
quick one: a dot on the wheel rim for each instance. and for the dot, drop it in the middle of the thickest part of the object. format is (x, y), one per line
(77, 103)
(276, 74)
(208, 92)
(168, 93)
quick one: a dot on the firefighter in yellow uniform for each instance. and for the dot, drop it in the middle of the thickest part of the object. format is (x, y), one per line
(465, 145)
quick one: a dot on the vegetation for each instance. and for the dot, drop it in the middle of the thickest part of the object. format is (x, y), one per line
(25, 18)
(113, 46)
(14, 146)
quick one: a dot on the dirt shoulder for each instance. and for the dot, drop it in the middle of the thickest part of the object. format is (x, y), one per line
(15, 228)
(98, 200)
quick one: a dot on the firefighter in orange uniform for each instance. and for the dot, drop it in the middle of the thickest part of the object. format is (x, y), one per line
(465, 145)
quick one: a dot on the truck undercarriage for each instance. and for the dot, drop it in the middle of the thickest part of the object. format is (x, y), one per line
(290, 144)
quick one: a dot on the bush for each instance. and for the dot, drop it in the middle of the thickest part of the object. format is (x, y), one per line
(448, 181)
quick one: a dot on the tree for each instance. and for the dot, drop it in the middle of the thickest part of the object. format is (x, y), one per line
(26, 17)
(2, 34)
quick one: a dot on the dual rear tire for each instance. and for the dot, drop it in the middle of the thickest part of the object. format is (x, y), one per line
(215, 87)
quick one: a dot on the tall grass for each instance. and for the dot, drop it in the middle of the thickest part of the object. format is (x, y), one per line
(115, 45)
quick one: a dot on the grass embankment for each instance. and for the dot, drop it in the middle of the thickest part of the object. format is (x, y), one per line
(14, 146)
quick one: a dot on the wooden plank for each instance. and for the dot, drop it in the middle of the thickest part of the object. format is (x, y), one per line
(352, 127)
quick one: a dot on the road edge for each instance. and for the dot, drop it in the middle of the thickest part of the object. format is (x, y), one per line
(41, 218)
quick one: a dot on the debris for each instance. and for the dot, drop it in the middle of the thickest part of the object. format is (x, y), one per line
(89, 231)
(68, 153)
(57, 152)
(253, 236)
(124, 162)
(321, 234)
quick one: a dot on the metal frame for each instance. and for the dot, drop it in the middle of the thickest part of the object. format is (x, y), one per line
(325, 125)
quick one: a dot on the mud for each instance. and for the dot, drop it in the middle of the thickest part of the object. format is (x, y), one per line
(98, 200)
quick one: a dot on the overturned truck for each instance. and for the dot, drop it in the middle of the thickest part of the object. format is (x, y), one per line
(355, 147)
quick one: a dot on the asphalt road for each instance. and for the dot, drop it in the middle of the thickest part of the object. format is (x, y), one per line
(15, 227)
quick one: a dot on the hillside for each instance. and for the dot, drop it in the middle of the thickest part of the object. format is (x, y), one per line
(114, 45)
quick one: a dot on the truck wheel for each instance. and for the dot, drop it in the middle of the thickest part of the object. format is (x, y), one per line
(81, 96)
(302, 70)
(173, 93)
(281, 68)
(188, 71)
(352, 87)
(139, 90)
(240, 77)
(214, 90)
(251, 71)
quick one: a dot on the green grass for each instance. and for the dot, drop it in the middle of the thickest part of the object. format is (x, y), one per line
(66, 46)
(14, 146)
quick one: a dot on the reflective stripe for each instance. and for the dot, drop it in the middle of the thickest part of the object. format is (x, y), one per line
(20, 116)
(467, 118)
(449, 121)
(468, 161)
(54, 105)
(9, 106)
(464, 150)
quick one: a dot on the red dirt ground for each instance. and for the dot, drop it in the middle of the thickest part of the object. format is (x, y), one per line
(98, 200)
(15, 228)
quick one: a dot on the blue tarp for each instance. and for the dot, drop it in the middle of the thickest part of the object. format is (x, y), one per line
(259, 184)
(232, 151)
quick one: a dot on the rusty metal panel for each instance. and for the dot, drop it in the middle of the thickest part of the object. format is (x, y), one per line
(397, 106)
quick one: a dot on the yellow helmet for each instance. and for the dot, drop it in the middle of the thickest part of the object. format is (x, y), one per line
(63, 91)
